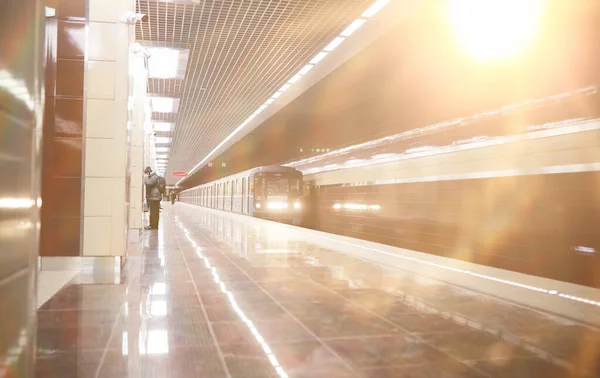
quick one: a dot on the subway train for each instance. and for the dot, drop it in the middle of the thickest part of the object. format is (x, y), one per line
(271, 192)
(514, 188)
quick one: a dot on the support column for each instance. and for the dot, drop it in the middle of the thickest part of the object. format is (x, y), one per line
(139, 116)
(106, 181)
(85, 187)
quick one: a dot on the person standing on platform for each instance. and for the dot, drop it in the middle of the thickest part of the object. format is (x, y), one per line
(153, 197)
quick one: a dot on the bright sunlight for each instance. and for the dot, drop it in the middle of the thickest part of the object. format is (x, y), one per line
(495, 29)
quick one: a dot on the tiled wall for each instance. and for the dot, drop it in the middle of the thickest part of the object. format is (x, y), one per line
(63, 131)
(21, 75)
(106, 136)
(544, 225)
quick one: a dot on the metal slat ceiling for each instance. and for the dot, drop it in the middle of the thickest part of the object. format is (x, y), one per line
(240, 53)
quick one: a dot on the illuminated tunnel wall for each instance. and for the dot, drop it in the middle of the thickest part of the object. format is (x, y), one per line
(418, 75)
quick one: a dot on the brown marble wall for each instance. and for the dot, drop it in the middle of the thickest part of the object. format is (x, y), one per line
(543, 225)
(63, 131)
(21, 75)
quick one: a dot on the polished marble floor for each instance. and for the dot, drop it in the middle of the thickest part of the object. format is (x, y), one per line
(210, 296)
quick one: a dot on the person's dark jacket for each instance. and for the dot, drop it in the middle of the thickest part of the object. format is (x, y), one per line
(152, 191)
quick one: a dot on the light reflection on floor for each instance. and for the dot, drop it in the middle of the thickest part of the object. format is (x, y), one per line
(212, 297)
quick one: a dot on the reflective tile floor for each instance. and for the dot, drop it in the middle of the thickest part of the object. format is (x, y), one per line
(213, 297)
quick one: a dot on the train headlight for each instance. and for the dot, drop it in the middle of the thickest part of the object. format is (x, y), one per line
(297, 205)
(258, 206)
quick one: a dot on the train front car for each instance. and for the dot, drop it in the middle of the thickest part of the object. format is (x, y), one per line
(278, 194)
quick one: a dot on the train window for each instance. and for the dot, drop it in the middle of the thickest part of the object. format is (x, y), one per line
(295, 185)
(276, 185)
(225, 194)
(232, 186)
(244, 199)
(240, 194)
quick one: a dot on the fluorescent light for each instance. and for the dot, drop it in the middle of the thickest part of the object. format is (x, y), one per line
(161, 149)
(333, 44)
(161, 156)
(319, 57)
(260, 109)
(164, 104)
(269, 101)
(294, 79)
(163, 63)
(237, 130)
(162, 140)
(305, 69)
(276, 94)
(50, 12)
(376, 7)
(353, 27)
(163, 126)
(284, 87)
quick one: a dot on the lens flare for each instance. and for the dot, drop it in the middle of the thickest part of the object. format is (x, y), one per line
(495, 29)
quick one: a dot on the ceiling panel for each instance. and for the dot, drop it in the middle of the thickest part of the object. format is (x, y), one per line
(240, 53)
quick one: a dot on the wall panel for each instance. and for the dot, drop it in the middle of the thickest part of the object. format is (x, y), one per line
(21, 75)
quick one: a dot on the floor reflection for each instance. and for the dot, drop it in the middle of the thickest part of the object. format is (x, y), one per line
(211, 296)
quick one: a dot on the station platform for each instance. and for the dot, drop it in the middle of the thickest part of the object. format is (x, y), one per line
(213, 294)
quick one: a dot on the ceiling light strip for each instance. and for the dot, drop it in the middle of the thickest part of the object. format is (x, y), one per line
(223, 91)
(264, 64)
(336, 42)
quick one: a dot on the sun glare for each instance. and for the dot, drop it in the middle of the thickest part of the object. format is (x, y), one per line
(495, 29)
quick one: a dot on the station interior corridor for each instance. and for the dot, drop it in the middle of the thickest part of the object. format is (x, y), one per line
(213, 294)
(442, 157)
